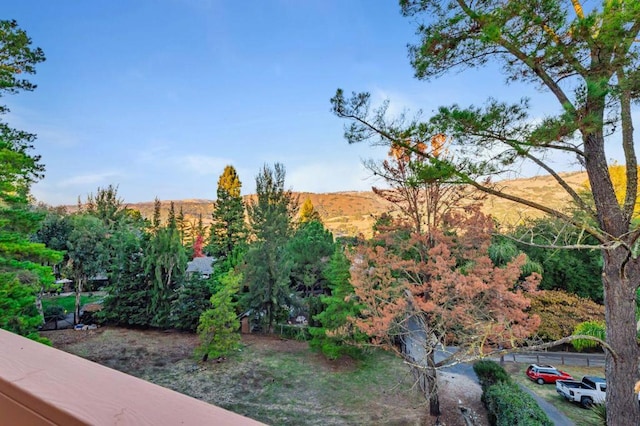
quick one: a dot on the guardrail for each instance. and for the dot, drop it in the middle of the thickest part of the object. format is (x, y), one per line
(40, 385)
(556, 358)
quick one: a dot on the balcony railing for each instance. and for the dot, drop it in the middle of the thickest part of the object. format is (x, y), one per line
(40, 385)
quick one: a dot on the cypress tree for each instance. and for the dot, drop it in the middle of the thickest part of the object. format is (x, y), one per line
(228, 229)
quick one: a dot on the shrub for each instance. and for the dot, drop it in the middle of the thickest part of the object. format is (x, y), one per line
(509, 405)
(296, 332)
(218, 327)
(600, 411)
(490, 373)
(53, 313)
(561, 312)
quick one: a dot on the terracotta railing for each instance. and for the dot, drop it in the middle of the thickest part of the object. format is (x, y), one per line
(40, 385)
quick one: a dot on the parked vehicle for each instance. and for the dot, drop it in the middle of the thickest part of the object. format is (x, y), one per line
(590, 390)
(542, 374)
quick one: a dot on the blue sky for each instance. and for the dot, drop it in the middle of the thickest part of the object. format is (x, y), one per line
(157, 96)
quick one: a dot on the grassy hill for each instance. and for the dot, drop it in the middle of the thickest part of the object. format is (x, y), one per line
(351, 213)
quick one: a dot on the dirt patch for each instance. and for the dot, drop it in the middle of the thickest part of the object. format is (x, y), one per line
(277, 381)
(460, 401)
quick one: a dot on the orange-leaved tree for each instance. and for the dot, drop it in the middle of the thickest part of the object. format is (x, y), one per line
(417, 186)
(427, 291)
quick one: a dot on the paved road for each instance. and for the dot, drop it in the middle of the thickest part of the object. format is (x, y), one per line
(553, 413)
(416, 350)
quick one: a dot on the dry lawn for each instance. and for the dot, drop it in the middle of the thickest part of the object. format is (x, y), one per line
(277, 381)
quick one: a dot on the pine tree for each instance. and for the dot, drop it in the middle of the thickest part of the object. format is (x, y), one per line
(218, 327)
(182, 226)
(228, 229)
(268, 265)
(164, 263)
(156, 221)
(22, 274)
(310, 249)
(193, 298)
(335, 335)
(129, 299)
(171, 219)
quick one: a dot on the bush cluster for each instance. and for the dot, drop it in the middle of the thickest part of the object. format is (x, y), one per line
(296, 332)
(506, 402)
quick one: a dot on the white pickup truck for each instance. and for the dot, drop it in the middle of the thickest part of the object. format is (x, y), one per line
(588, 391)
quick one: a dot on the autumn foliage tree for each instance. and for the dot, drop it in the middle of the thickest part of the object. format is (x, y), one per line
(560, 312)
(197, 247)
(587, 59)
(418, 185)
(443, 289)
(308, 213)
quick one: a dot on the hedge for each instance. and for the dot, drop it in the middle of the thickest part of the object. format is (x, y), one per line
(512, 406)
(506, 402)
(490, 373)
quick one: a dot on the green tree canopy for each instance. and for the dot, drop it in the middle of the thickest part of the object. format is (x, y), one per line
(268, 265)
(22, 274)
(228, 228)
(87, 254)
(164, 263)
(218, 326)
(335, 335)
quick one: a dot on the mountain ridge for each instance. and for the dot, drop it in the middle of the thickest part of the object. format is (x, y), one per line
(350, 213)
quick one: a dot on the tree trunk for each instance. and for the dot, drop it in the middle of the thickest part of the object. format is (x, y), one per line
(432, 385)
(620, 307)
(39, 304)
(76, 311)
(620, 276)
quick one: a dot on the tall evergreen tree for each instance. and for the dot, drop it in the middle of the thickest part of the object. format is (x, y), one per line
(310, 249)
(22, 275)
(331, 331)
(107, 206)
(164, 261)
(268, 265)
(171, 219)
(228, 229)
(182, 226)
(129, 299)
(156, 221)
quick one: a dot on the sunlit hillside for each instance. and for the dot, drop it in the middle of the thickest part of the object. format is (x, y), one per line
(353, 213)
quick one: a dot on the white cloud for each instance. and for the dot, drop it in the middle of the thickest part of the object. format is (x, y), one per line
(330, 177)
(92, 178)
(202, 164)
(48, 131)
(399, 103)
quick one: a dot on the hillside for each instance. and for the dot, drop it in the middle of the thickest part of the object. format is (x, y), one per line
(541, 189)
(352, 213)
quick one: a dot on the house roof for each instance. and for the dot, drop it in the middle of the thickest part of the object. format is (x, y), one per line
(203, 265)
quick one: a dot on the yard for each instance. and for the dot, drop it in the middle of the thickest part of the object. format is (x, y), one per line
(68, 301)
(272, 380)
